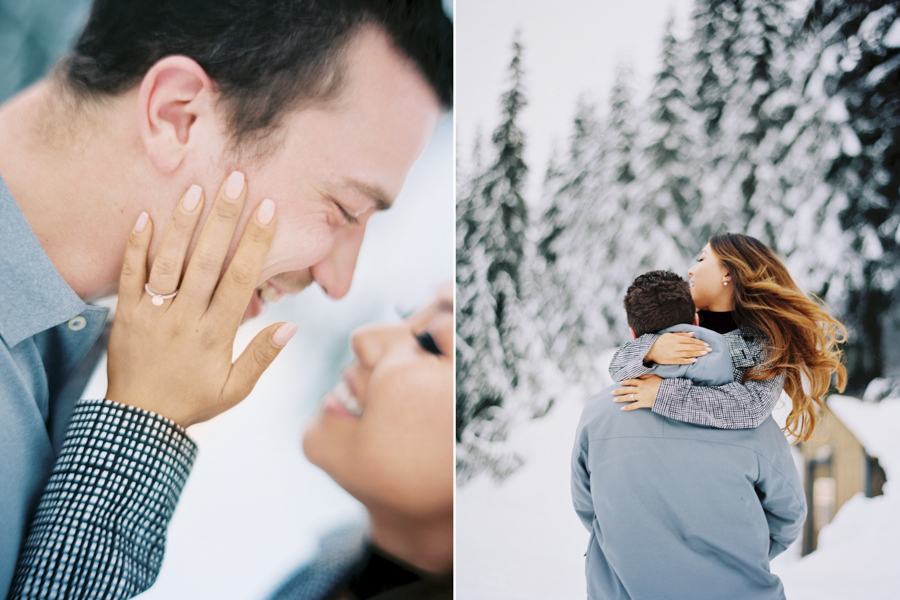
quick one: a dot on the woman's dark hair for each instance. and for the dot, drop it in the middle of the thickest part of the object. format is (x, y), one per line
(267, 57)
(656, 300)
(802, 340)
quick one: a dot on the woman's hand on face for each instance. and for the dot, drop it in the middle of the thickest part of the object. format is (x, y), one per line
(640, 392)
(175, 358)
(676, 349)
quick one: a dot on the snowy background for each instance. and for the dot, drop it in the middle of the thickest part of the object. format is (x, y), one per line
(600, 140)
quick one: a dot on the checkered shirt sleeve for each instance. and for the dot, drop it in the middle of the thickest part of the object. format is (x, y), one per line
(99, 531)
(738, 405)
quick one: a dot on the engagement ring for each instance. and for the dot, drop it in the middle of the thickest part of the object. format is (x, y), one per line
(158, 299)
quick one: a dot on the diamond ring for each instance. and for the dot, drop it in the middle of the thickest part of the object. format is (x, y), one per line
(158, 299)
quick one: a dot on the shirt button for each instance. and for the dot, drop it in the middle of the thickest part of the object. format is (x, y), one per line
(77, 323)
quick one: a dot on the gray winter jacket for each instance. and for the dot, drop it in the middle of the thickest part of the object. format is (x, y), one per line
(681, 511)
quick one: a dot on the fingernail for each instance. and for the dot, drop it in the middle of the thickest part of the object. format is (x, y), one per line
(141, 223)
(192, 198)
(284, 334)
(235, 185)
(266, 212)
(693, 360)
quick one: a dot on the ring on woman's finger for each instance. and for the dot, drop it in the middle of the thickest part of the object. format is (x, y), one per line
(632, 397)
(158, 299)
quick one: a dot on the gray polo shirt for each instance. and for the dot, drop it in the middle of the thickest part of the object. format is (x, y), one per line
(46, 331)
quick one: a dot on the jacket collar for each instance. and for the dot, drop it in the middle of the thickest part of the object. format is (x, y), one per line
(33, 295)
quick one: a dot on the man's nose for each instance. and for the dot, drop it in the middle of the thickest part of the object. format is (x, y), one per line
(334, 273)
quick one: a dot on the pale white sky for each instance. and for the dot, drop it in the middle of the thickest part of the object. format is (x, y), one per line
(571, 47)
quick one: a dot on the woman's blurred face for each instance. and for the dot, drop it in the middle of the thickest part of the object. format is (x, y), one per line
(708, 279)
(385, 433)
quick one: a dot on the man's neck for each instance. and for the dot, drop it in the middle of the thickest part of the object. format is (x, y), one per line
(426, 545)
(73, 176)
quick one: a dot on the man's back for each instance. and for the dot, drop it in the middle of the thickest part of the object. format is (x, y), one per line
(681, 511)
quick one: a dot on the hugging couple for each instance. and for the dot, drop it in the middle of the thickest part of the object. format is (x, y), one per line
(691, 499)
(244, 146)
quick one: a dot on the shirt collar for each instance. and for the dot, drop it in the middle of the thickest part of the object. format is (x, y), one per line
(33, 295)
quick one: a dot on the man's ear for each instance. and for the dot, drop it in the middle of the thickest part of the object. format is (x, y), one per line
(696, 320)
(633, 334)
(173, 94)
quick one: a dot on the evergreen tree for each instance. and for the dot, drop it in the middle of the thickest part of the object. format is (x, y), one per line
(868, 168)
(618, 231)
(567, 237)
(668, 169)
(491, 239)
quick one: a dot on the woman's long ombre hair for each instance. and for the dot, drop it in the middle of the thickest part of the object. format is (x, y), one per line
(802, 339)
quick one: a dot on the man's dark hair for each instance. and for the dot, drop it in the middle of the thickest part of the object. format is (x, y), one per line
(267, 57)
(657, 300)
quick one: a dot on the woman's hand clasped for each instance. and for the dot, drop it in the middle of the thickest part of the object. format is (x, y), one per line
(173, 354)
(676, 349)
(640, 392)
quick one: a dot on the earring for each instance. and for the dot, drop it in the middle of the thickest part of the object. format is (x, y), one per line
(724, 281)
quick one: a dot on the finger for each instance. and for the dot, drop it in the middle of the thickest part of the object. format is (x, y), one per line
(690, 343)
(255, 359)
(134, 264)
(632, 406)
(621, 399)
(237, 286)
(632, 383)
(686, 334)
(206, 262)
(622, 391)
(169, 260)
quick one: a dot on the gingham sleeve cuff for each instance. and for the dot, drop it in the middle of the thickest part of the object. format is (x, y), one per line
(100, 527)
(628, 362)
(671, 398)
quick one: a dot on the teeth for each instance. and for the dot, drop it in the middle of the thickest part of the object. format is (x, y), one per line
(347, 400)
(268, 292)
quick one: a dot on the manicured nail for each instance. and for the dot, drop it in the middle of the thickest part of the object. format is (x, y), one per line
(141, 223)
(235, 185)
(284, 334)
(693, 360)
(192, 198)
(266, 212)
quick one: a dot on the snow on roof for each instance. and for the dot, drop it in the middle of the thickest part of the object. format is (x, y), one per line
(876, 426)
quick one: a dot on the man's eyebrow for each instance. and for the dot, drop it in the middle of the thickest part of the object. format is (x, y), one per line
(382, 200)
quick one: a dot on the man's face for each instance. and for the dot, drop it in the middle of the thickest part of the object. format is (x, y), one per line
(337, 166)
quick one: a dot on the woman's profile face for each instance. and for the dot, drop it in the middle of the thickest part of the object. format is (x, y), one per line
(708, 278)
(385, 433)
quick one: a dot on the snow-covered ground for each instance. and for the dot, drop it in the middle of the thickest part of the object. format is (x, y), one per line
(521, 539)
(254, 508)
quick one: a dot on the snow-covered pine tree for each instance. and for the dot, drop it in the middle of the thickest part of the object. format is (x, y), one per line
(490, 343)
(616, 254)
(668, 169)
(796, 211)
(567, 236)
(709, 78)
(869, 174)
